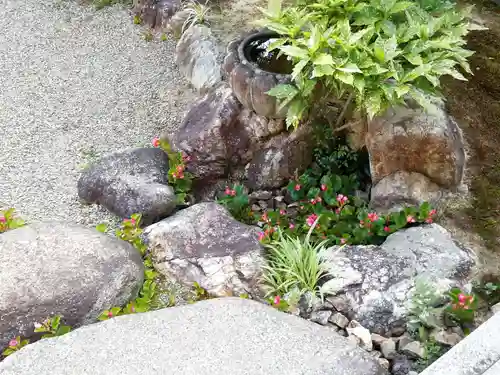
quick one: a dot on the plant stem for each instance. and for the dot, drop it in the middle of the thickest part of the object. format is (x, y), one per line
(344, 110)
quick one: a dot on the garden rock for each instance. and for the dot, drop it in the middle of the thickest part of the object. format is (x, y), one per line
(155, 13)
(177, 22)
(381, 278)
(401, 365)
(321, 317)
(412, 140)
(339, 320)
(205, 244)
(414, 349)
(55, 268)
(129, 182)
(446, 338)
(363, 335)
(198, 57)
(234, 335)
(388, 348)
(226, 141)
(402, 188)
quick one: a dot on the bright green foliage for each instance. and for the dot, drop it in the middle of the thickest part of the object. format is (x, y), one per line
(177, 175)
(424, 309)
(52, 327)
(131, 231)
(199, 294)
(197, 14)
(381, 51)
(9, 220)
(236, 200)
(14, 345)
(489, 291)
(294, 263)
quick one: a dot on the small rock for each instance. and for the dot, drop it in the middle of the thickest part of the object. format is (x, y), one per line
(378, 339)
(354, 340)
(384, 363)
(339, 303)
(495, 308)
(388, 348)
(375, 354)
(280, 199)
(446, 338)
(339, 319)
(458, 330)
(414, 349)
(398, 330)
(403, 340)
(401, 365)
(362, 333)
(261, 195)
(334, 328)
(321, 317)
(263, 205)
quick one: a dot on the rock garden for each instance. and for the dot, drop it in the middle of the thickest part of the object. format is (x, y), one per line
(302, 195)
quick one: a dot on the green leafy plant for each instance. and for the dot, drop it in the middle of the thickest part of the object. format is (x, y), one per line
(137, 19)
(489, 291)
(131, 231)
(198, 293)
(196, 14)
(425, 307)
(9, 220)
(432, 352)
(52, 327)
(294, 263)
(236, 200)
(462, 306)
(377, 53)
(178, 177)
(14, 345)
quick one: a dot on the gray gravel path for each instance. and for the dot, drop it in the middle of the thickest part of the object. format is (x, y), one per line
(76, 83)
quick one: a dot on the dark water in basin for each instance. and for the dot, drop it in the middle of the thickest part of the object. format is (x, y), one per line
(256, 51)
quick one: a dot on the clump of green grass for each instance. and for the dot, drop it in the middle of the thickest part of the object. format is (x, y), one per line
(196, 14)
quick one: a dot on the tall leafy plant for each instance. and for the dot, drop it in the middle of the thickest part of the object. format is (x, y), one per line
(378, 53)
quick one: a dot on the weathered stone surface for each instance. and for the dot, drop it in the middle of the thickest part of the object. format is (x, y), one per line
(339, 320)
(129, 182)
(204, 244)
(404, 188)
(381, 278)
(388, 348)
(236, 336)
(446, 338)
(363, 335)
(177, 22)
(384, 363)
(55, 268)
(378, 339)
(155, 13)
(414, 349)
(249, 83)
(411, 140)
(198, 57)
(321, 317)
(225, 140)
(495, 309)
(281, 158)
(401, 365)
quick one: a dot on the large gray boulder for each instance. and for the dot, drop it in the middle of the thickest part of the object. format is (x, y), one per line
(54, 268)
(130, 182)
(205, 244)
(377, 281)
(221, 336)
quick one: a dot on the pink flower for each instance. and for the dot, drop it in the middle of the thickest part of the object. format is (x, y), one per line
(372, 216)
(277, 300)
(262, 235)
(311, 219)
(227, 191)
(2, 219)
(132, 308)
(323, 187)
(156, 142)
(313, 201)
(282, 212)
(387, 229)
(410, 219)
(13, 342)
(37, 325)
(343, 241)
(292, 226)
(428, 221)
(337, 211)
(297, 187)
(461, 297)
(433, 212)
(233, 193)
(342, 199)
(264, 216)
(110, 314)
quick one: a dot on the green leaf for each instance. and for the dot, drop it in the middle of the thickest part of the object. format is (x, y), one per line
(283, 91)
(297, 69)
(350, 68)
(359, 84)
(102, 228)
(323, 59)
(400, 6)
(294, 51)
(347, 78)
(274, 7)
(322, 70)
(373, 104)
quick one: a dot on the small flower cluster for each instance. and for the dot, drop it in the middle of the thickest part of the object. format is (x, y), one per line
(230, 192)
(9, 220)
(462, 306)
(464, 302)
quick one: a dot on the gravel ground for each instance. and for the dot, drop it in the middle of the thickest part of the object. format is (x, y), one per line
(76, 83)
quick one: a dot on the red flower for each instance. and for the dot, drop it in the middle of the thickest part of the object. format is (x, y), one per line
(156, 142)
(282, 212)
(292, 226)
(323, 187)
(297, 187)
(433, 212)
(387, 229)
(2, 219)
(372, 216)
(277, 300)
(428, 221)
(410, 219)
(110, 314)
(311, 219)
